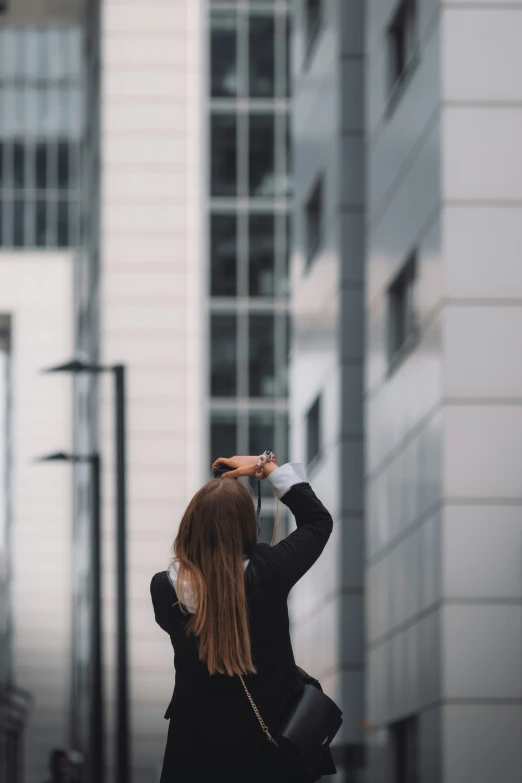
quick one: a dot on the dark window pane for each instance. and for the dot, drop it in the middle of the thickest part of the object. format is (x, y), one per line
(314, 14)
(41, 224)
(223, 154)
(18, 223)
(402, 311)
(223, 340)
(41, 166)
(62, 152)
(261, 155)
(404, 736)
(262, 56)
(223, 436)
(2, 169)
(314, 221)
(223, 255)
(261, 433)
(402, 41)
(313, 431)
(63, 224)
(223, 54)
(262, 364)
(261, 255)
(18, 165)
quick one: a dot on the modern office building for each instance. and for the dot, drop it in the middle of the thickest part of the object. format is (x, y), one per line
(326, 369)
(40, 133)
(146, 212)
(441, 309)
(249, 199)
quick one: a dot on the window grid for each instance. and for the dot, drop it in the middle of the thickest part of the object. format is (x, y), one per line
(41, 124)
(265, 115)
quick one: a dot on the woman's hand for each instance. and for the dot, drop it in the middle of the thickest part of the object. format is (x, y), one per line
(244, 466)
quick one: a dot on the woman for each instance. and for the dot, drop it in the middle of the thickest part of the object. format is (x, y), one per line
(223, 603)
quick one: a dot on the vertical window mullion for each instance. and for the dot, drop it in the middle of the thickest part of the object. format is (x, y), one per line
(280, 153)
(242, 153)
(243, 252)
(242, 53)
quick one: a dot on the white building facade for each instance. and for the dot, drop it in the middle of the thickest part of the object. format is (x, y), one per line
(442, 296)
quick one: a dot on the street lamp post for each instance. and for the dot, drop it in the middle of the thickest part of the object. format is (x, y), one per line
(96, 732)
(77, 366)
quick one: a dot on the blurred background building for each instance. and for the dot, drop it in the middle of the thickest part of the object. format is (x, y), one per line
(299, 225)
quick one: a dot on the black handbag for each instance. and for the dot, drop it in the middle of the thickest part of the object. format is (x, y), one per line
(307, 727)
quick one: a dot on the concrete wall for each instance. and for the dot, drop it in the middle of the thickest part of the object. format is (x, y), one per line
(150, 318)
(481, 619)
(36, 291)
(444, 529)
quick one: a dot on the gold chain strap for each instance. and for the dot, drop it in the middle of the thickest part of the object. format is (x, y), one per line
(263, 725)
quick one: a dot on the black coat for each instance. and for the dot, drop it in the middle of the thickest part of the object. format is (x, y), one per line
(214, 734)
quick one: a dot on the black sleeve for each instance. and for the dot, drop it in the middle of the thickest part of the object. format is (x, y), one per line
(297, 553)
(163, 598)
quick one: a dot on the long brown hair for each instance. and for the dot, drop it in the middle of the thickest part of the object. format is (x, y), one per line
(216, 531)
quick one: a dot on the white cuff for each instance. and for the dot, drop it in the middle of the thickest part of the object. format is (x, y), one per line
(286, 476)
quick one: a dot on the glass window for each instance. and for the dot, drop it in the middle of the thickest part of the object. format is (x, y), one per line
(261, 155)
(223, 255)
(223, 359)
(261, 434)
(223, 54)
(402, 41)
(41, 223)
(404, 736)
(223, 436)
(18, 165)
(38, 73)
(402, 312)
(314, 18)
(223, 155)
(18, 223)
(314, 221)
(262, 364)
(261, 56)
(41, 166)
(63, 238)
(313, 431)
(261, 255)
(62, 153)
